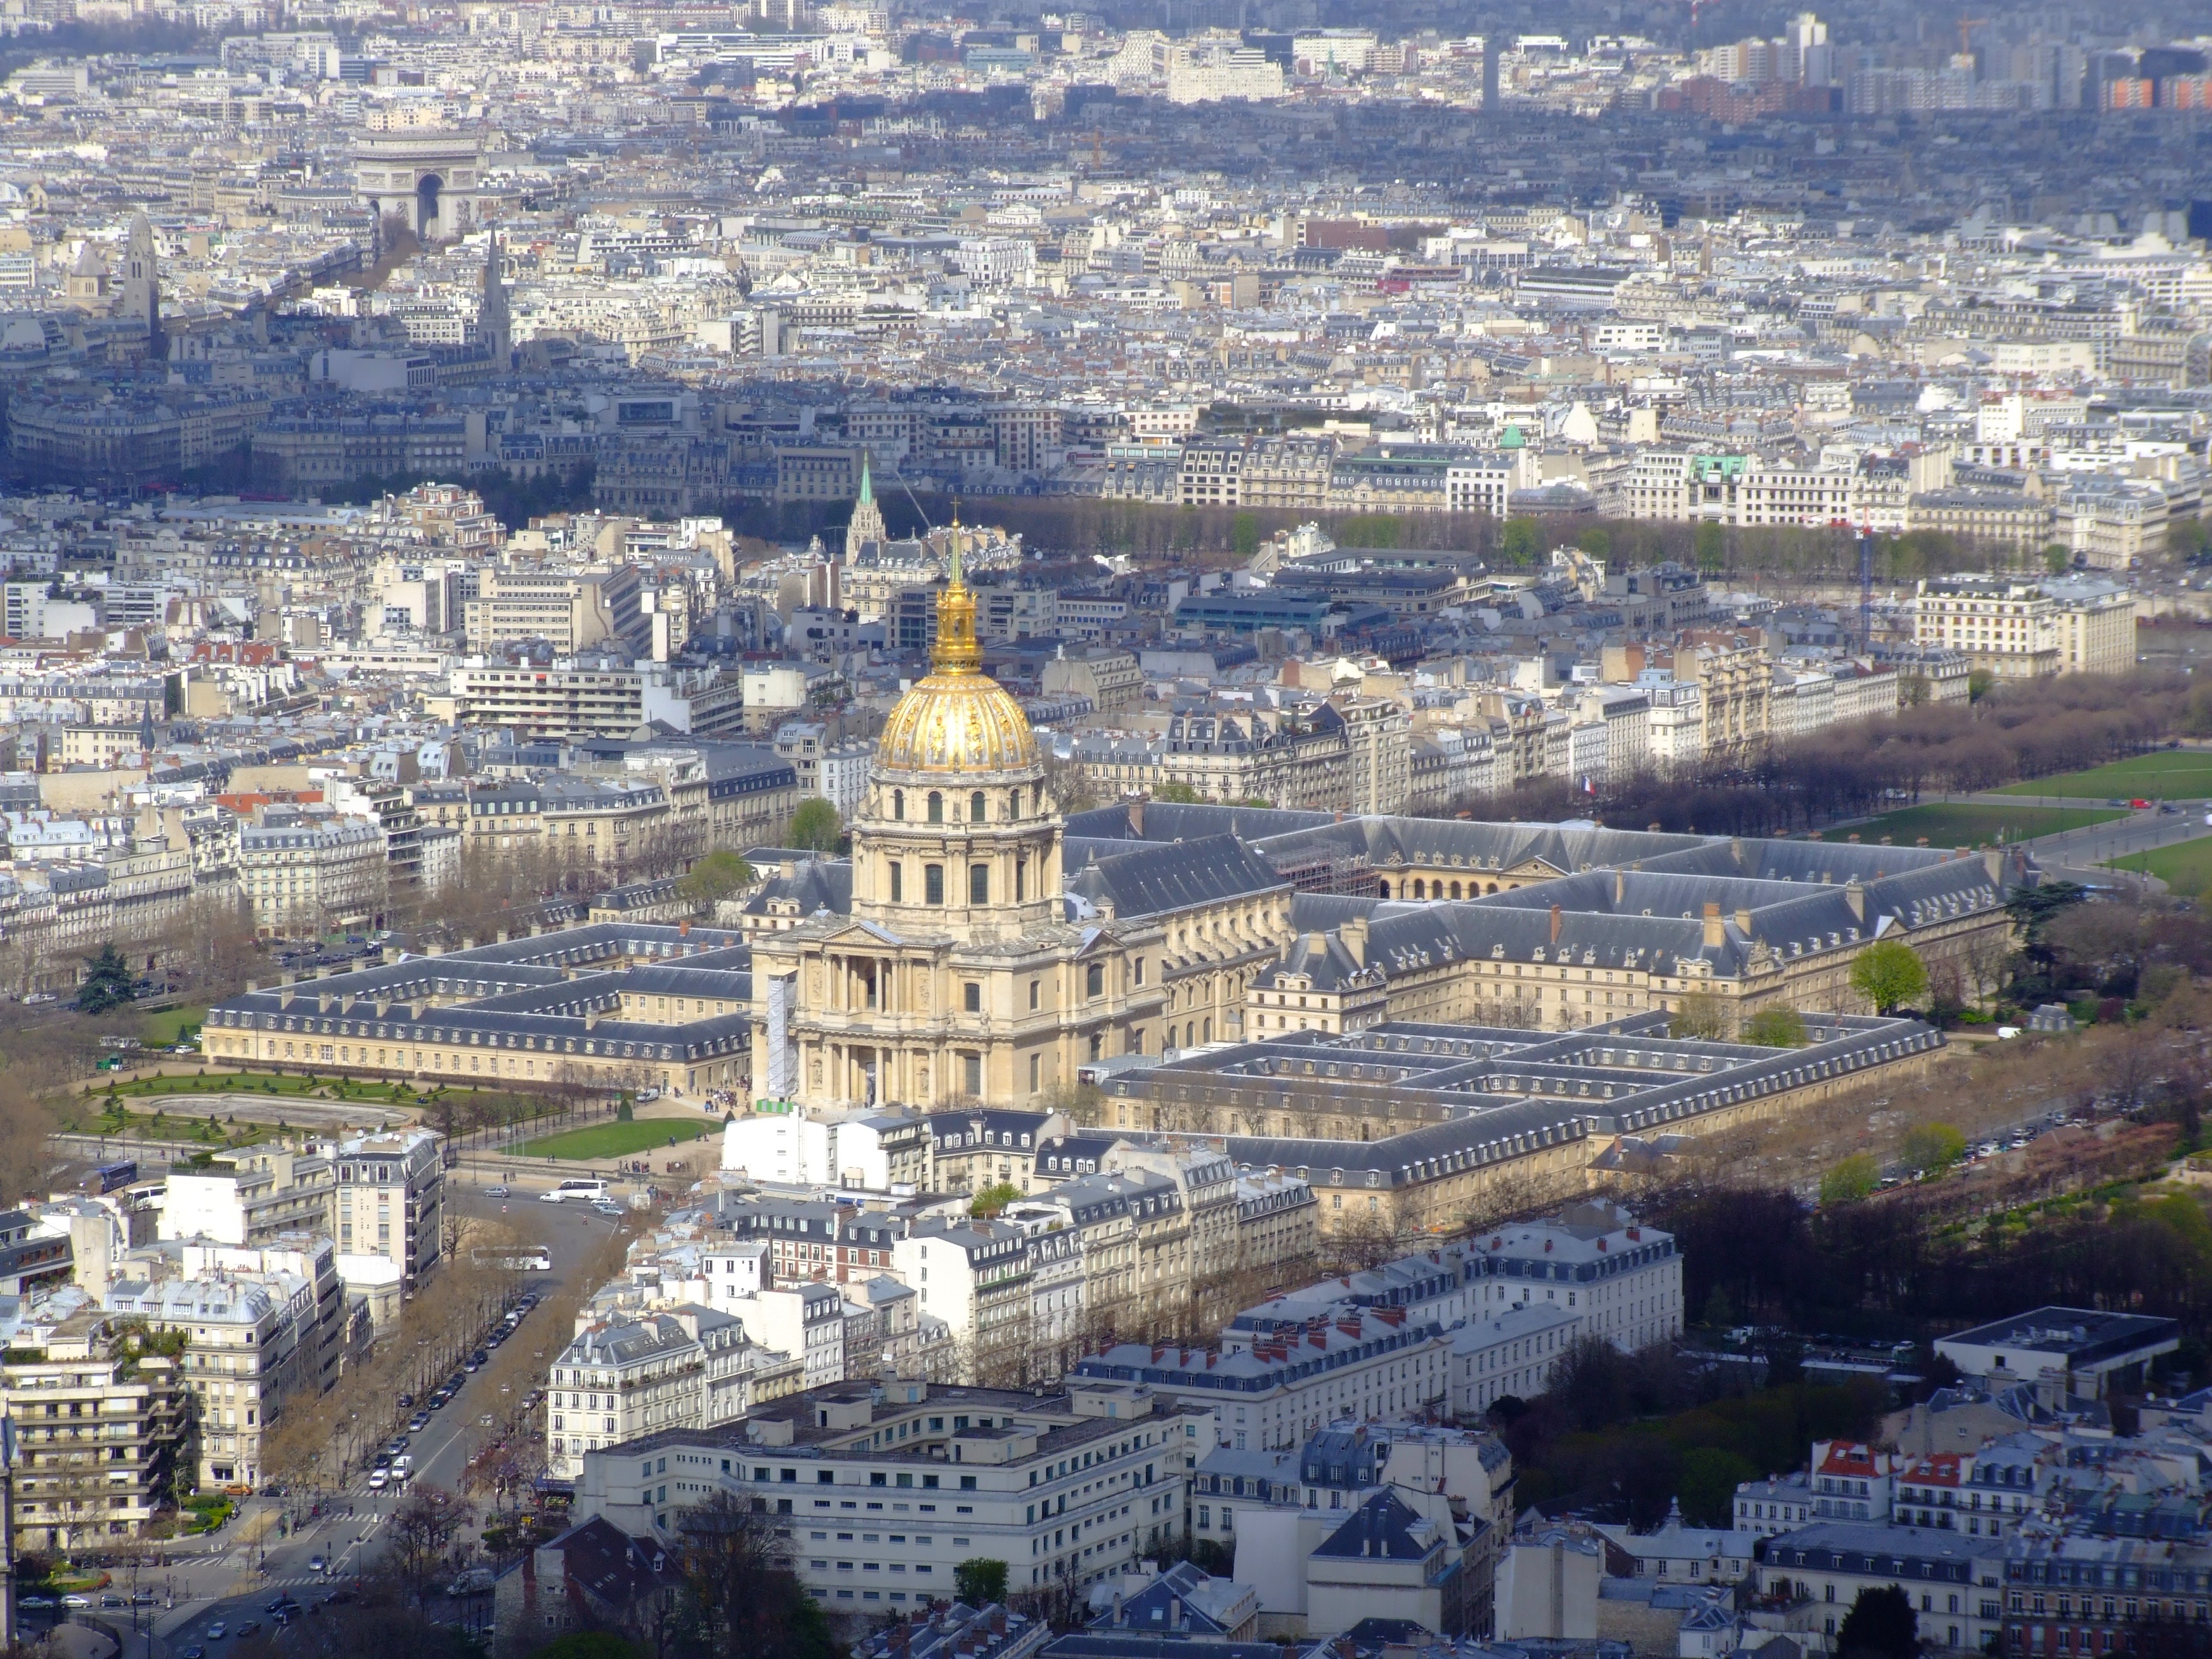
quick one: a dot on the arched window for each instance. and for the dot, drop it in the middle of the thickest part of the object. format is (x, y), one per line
(1420, 890)
(1014, 804)
(898, 882)
(899, 805)
(1456, 890)
(936, 807)
(976, 807)
(979, 884)
(933, 883)
(1384, 888)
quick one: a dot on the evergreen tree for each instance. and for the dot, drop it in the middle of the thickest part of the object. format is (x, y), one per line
(108, 982)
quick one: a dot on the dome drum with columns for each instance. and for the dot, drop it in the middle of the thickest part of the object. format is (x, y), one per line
(957, 976)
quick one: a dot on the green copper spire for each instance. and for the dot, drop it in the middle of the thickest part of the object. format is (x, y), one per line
(868, 484)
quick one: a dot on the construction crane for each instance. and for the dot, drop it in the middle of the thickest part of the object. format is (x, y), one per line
(1966, 27)
(1866, 589)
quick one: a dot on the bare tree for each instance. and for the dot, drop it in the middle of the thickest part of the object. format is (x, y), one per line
(741, 1596)
(421, 1536)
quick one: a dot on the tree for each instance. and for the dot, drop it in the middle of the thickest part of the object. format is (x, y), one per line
(422, 1534)
(722, 874)
(1850, 1180)
(1889, 974)
(992, 1200)
(1775, 1028)
(1932, 1146)
(815, 827)
(108, 982)
(741, 1596)
(979, 1579)
(1176, 793)
(25, 1123)
(1700, 1015)
(1880, 1624)
(1521, 541)
(1710, 547)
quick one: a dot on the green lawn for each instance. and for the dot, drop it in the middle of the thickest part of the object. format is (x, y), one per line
(2165, 774)
(160, 1031)
(2185, 866)
(617, 1139)
(1969, 825)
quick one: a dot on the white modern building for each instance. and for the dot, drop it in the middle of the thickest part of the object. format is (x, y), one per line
(886, 1490)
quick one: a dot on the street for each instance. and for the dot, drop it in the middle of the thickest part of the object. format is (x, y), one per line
(233, 1586)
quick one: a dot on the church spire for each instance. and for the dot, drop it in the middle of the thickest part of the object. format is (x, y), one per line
(494, 328)
(866, 525)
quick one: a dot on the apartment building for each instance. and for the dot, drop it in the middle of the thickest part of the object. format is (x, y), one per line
(389, 1200)
(880, 1494)
(2017, 629)
(806, 1320)
(304, 876)
(570, 610)
(2072, 1596)
(1952, 1581)
(249, 1197)
(249, 1343)
(1289, 1382)
(609, 699)
(1509, 1353)
(1624, 1279)
(974, 1277)
(620, 1379)
(2007, 518)
(102, 1416)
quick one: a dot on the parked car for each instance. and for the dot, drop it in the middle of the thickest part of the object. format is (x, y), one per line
(498, 1192)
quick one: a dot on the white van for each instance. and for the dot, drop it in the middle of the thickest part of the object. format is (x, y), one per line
(587, 1190)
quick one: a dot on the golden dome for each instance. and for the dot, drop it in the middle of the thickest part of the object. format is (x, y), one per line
(958, 720)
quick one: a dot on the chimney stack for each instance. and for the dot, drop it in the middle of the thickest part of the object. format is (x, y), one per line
(1557, 915)
(1716, 932)
(1854, 895)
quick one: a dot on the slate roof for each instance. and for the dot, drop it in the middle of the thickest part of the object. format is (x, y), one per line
(815, 885)
(1151, 880)
(1384, 1527)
